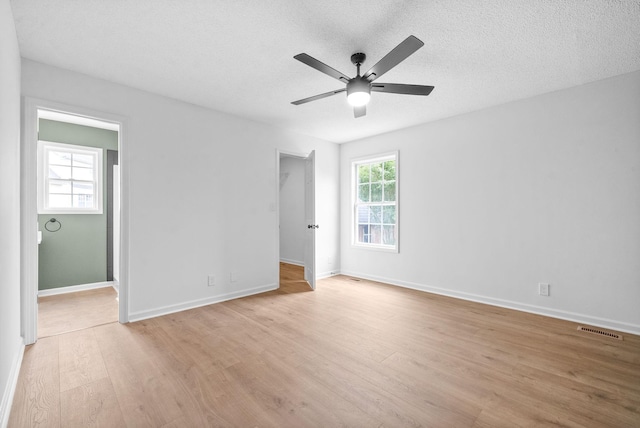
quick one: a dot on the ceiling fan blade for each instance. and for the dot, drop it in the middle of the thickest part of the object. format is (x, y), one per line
(359, 111)
(322, 67)
(393, 58)
(398, 88)
(318, 97)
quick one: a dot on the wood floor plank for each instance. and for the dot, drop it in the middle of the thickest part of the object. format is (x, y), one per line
(37, 396)
(146, 393)
(196, 395)
(92, 404)
(80, 359)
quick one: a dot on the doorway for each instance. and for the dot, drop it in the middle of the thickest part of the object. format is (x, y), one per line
(296, 213)
(64, 234)
(76, 284)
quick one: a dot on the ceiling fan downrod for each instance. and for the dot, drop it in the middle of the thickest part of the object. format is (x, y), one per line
(358, 59)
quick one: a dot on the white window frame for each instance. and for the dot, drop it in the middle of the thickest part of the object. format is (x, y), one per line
(354, 201)
(44, 147)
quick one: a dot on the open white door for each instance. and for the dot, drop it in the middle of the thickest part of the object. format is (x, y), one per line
(310, 216)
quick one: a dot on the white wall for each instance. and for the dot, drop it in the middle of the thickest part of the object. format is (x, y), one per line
(292, 219)
(493, 202)
(10, 339)
(192, 212)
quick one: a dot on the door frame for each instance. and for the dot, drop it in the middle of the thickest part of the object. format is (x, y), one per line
(29, 209)
(301, 156)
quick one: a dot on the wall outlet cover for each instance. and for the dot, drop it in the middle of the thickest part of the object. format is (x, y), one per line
(543, 289)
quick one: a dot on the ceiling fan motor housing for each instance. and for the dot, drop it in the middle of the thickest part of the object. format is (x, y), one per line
(358, 84)
(358, 91)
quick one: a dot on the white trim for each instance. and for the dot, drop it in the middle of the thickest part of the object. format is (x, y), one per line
(44, 147)
(277, 216)
(12, 383)
(75, 288)
(192, 304)
(322, 275)
(291, 154)
(395, 155)
(28, 204)
(78, 120)
(291, 262)
(29, 221)
(375, 157)
(509, 304)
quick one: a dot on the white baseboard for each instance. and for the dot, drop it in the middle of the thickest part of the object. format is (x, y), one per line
(538, 310)
(170, 309)
(291, 262)
(74, 288)
(12, 382)
(328, 274)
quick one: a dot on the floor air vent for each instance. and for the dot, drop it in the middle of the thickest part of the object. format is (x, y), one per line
(600, 332)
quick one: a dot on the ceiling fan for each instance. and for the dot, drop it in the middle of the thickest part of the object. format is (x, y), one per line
(359, 87)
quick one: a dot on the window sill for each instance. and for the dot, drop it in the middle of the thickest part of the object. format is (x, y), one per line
(47, 212)
(382, 248)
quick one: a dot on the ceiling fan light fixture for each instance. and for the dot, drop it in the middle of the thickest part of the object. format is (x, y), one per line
(358, 99)
(358, 92)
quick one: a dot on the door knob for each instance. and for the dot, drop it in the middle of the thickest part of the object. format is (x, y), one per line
(312, 226)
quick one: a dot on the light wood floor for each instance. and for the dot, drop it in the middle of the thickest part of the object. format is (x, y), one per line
(352, 353)
(64, 313)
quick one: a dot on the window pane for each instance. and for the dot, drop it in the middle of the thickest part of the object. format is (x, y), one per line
(375, 214)
(363, 173)
(83, 174)
(63, 172)
(83, 201)
(375, 203)
(363, 233)
(60, 187)
(59, 158)
(363, 193)
(376, 172)
(83, 161)
(390, 170)
(363, 215)
(376, 235)
(389, 214)
(59, 201)
(69, 178)
(376, 192)
(81, 188)
(390, 191)
(389, 235)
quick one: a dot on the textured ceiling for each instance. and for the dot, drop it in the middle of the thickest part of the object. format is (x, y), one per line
(236, 56)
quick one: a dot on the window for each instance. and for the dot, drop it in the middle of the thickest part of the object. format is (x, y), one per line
(70, 179)
(376, 202)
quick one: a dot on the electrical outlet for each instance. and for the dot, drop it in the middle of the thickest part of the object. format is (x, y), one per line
(211, 280)
(233, 276)
(543, 289)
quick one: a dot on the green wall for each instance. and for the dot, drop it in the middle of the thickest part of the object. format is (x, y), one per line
(77, 253)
